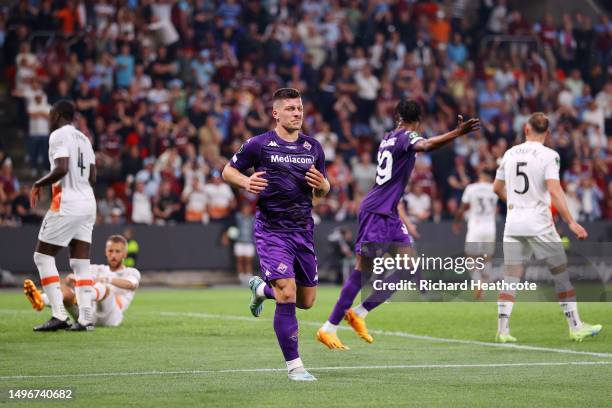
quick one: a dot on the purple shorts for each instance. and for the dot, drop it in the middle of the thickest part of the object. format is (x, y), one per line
(378, 229)
(287, 255)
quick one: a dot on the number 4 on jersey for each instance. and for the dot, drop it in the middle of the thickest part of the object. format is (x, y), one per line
(80, 162)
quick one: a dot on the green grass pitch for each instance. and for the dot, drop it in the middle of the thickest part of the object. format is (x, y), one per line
(202, 348)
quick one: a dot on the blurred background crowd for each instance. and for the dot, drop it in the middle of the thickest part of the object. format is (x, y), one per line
(168, 90)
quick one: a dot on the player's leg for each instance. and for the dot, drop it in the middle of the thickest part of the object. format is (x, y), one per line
(516, 252)
(286, 328)
(108, 312)
(80, 265)
(271, 250)
(551, 249)
(44, 258)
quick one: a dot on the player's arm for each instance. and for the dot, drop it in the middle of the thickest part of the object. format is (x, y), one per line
(254, 184)
(557, 197)
(435, 142)
(317, 181)
(92, 174)
(412, 229)
(459, 217)
(58, 173)
(499, 188)
(123, 283)
(316, 176)
(245, 158)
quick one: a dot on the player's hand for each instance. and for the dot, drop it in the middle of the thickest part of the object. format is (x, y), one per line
(456, 228)
(412, 230)
(256, 184)
(467, 127)
(315, 179)
(579, 230)
(34, 196)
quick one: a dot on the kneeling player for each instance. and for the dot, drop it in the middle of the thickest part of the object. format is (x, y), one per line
(115, 286)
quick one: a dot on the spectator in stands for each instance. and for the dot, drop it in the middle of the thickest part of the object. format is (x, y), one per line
(195, 200)
(590, 195)
(419, 204)
(220, 198)
(364, 175)
(8, 181)
(167, 205)
(111, 208)
(38, 142)
(142, 210)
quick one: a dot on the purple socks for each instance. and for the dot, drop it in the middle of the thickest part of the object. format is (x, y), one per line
(286, 329)
(268, 291)
(347, 296)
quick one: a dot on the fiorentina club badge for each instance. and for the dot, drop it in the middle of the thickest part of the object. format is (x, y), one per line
(282, 268)
(307, 145)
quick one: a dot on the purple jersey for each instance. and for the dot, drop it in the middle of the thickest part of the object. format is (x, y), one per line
(396, 158)
(286, 203)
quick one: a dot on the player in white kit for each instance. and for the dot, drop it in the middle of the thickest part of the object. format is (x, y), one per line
(480, 203)
(70, 219)
(114, 287)
(528, 180)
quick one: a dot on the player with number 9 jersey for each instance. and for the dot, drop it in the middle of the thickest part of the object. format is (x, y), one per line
(379, 220)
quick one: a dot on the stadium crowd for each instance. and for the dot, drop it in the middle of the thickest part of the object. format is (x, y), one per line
(168, 90)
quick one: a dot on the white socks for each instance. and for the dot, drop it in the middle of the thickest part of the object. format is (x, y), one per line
(505, 303)
(295, 365)
(329, 328)
(84, 289)
(50, 281)
(567, 299)
(361, 311)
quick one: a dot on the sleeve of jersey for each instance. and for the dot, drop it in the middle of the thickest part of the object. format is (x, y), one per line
(465, 198)
(57, 147)
(501, 172)
(551, 171)
(411, 139)
(320, 163)
(247, 156)
(133, 277)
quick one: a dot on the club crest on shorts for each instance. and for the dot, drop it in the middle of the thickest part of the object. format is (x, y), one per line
(307, 146)
(282, 268)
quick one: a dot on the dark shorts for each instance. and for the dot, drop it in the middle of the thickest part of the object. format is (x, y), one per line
(376, 230)
(287, 255)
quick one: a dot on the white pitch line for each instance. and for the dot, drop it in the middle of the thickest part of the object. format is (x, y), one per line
(314, 369)
(402, 334)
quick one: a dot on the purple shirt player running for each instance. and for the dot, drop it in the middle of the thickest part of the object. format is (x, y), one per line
(289, 170)
(378, 216)
(379, 220)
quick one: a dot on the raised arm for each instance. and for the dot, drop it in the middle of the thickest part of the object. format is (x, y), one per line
(436, 142)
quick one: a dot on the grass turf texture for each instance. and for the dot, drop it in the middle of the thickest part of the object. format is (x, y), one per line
(182, 330)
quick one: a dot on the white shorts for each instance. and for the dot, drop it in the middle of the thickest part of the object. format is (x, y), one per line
(108, 312)
(547, 247)
(244, 249)
(480, 242)
(60, 229)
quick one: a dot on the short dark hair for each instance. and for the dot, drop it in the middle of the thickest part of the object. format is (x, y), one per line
(117, 239)
(539, 122)
(408, 111)
(65, 109)
(286, 93)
